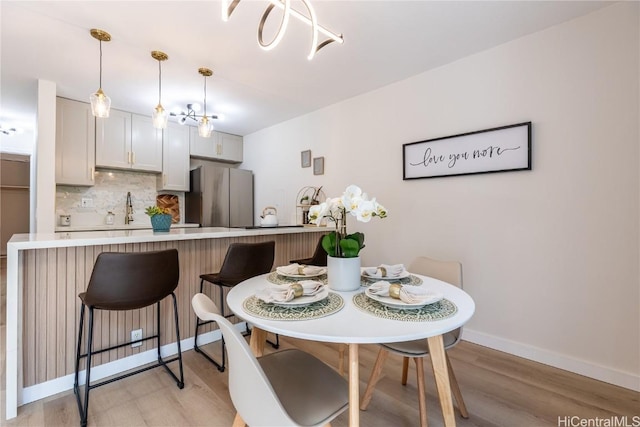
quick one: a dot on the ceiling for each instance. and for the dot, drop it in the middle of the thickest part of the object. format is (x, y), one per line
(384, 42)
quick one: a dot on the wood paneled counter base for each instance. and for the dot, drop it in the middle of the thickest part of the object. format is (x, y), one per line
(46, 272)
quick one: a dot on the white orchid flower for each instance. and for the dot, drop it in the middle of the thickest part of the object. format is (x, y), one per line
(317, 212)
(365, 211)
(381, 211)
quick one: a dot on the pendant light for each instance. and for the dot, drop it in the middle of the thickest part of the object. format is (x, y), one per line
(160, 115)
(100, 103)
(205, 126)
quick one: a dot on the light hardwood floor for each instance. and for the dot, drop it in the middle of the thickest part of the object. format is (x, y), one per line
(499, 390)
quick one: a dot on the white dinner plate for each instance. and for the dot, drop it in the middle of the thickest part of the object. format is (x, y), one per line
(402, 275)
(301, 276)
(305, 299)
(396, 303)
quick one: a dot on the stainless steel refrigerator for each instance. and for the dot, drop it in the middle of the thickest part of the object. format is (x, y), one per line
(220, 197)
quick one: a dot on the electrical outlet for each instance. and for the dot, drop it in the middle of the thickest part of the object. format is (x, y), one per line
(136, 334)
(86, 202)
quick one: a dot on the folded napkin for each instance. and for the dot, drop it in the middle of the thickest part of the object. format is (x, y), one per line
(384, 270)
(408, 294)
(309, 288)
(300, 269)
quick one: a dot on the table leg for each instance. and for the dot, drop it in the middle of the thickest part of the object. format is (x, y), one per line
(354, 386)
(441, 374)
(258, 338)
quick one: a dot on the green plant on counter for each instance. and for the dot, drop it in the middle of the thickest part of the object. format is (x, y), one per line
(155, 210)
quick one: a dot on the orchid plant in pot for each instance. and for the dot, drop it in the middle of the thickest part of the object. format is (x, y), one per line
(343, 249)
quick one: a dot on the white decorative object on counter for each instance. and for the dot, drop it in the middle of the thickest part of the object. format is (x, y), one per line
(109, 220)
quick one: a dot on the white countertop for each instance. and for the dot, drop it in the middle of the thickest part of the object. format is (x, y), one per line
(134, 226)
(110, 237)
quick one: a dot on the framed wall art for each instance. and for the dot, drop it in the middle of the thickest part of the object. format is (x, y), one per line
(305, 158)
(318, 166)
(506, 148)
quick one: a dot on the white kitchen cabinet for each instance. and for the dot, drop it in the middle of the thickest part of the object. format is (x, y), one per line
(229, 147)
(146, 144)
(75, 148)
(128, 141)
(220, 146)
(175, 159)
(202, 147)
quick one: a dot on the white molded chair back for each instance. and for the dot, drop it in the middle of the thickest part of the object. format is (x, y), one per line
(285, 388)
(447, 271)
(259, 407)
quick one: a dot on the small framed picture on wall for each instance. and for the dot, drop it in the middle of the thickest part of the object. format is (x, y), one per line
(318, 166)
(305, 158)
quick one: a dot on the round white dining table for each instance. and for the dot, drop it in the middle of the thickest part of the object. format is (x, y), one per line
(352, 326)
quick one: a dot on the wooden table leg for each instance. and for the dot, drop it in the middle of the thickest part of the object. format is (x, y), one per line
(354, 386)
(441, 374)
(258, 338)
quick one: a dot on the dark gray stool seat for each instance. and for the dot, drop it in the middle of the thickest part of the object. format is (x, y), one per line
(242, 261)
(127, 281)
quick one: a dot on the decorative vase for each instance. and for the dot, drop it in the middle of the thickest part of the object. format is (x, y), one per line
(343, 274)
(161, 222)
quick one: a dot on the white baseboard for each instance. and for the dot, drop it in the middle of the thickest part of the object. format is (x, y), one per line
(602, 373)
(58, 385)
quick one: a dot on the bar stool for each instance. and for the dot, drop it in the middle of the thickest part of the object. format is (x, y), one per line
(319, 257)
(127, 281)
(242, 261)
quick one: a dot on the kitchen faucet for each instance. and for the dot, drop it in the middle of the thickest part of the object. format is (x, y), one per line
(128, 218)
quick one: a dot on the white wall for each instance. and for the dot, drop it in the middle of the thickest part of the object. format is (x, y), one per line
(550, 255)
(44, 159)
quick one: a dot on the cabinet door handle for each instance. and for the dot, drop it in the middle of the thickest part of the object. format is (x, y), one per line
(133, 157)
(164, 179)
(129, 157)
(219, 149)
(92, 174)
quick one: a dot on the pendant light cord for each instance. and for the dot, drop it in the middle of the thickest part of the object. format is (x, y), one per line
(205, 96)
(160, 81)
(100, 85)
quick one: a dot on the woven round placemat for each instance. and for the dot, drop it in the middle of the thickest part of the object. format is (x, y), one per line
(411, 280)
(431, 312)
(256, 307)
(278, 279)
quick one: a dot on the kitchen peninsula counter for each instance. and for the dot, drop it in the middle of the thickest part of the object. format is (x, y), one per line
(47, 271)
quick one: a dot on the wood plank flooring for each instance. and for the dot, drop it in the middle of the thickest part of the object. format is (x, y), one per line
(499, 390)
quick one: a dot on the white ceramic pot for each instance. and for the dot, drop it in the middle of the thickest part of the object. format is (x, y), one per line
(343, 274)
(269, 217)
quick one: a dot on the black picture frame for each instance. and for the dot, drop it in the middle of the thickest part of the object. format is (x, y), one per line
(500, 149)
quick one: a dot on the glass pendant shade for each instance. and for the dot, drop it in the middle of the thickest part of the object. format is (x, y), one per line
(100, 104)
(160, 117)
(205, 127)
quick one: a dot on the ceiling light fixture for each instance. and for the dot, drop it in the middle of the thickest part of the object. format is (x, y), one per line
(160, 115)
(192, 109)
(9, 131)
(205, 126)
(100, 103)
(229, 6)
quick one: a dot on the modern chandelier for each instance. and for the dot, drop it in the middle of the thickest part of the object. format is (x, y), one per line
(100, 103)
(228, 6)
(160, 115)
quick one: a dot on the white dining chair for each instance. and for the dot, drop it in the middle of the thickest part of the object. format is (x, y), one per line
(285, 388)
(447, 271)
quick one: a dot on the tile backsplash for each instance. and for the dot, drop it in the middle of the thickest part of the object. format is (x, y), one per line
(110, 194)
